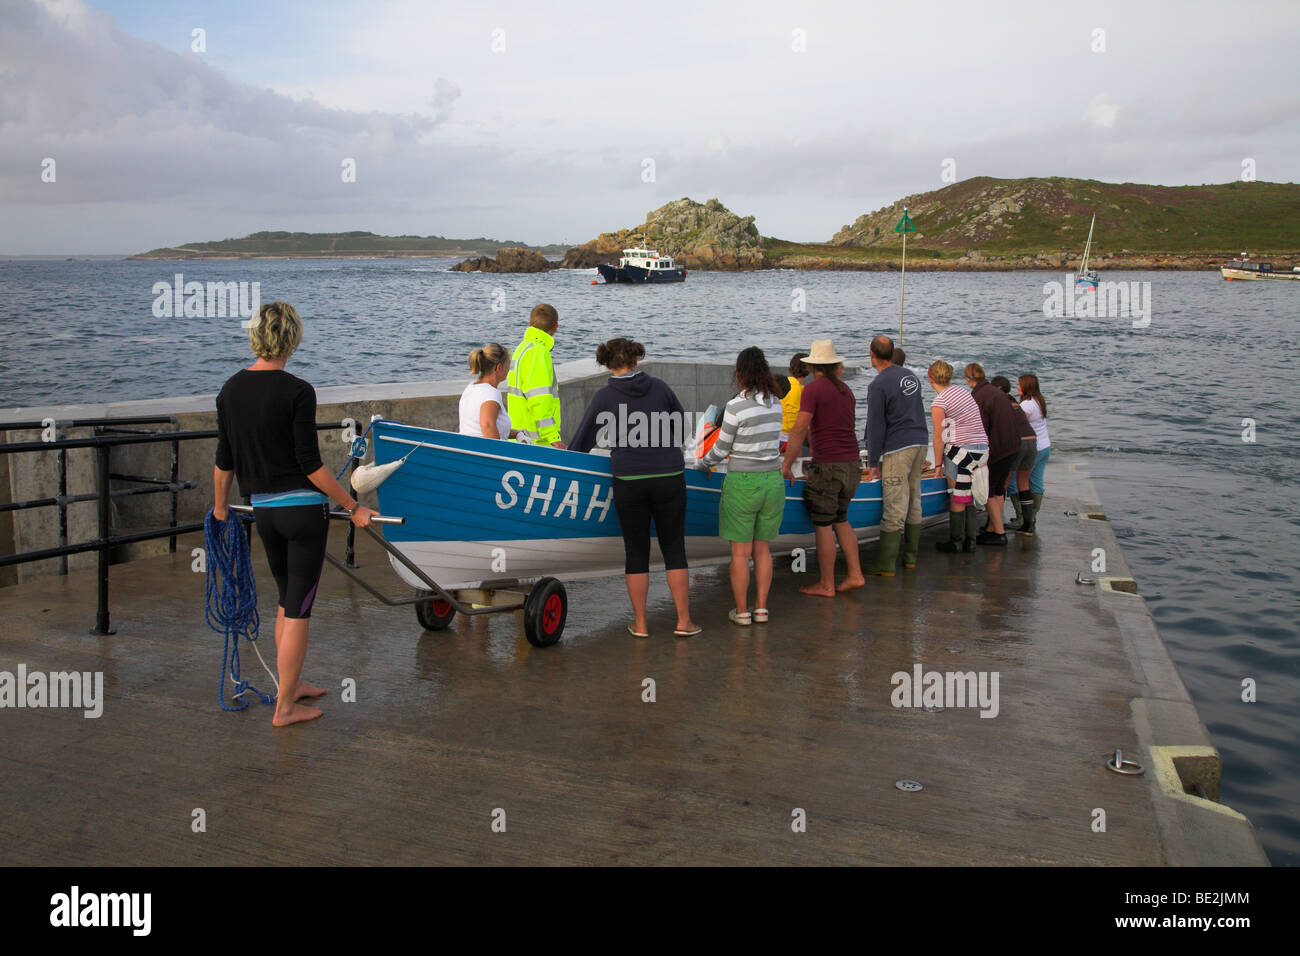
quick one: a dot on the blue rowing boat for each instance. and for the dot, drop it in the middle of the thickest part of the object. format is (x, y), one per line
(483, 513)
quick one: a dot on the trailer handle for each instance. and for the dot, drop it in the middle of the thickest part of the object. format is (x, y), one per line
(336, 515)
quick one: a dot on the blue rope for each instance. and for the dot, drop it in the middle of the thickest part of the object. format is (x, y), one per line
(358, 450)
(231, 600)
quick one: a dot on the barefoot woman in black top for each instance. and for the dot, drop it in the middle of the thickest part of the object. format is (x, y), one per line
(266, 436)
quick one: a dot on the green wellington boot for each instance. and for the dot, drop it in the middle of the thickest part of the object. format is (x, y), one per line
(911, 544)
(1038, 507)
(956, 529)
(1020, 517)
(887, 559)
(972, 529)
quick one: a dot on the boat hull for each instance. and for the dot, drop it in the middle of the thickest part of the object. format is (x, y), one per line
(482, 513)
(637, 274)
(1230, 273)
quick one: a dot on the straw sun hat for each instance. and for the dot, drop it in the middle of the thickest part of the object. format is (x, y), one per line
(822, 353)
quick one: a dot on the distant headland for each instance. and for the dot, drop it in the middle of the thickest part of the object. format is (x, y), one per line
(340, 245)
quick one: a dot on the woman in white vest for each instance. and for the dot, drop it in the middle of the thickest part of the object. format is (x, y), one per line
(482, 409)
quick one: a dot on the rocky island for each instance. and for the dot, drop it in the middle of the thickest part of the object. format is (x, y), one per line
(697, 235)
(507, 260)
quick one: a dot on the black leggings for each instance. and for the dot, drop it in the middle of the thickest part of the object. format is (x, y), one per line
(638, 500)
(294, 539)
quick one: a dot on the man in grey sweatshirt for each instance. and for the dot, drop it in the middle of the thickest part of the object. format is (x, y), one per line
(896, 440)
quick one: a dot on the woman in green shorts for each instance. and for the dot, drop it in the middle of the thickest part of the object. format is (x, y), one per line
(753, 494)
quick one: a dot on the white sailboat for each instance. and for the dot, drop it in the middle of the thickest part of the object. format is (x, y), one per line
(1087, 279)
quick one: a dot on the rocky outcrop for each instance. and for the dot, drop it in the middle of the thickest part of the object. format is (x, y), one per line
(698, 235)
(507, 260)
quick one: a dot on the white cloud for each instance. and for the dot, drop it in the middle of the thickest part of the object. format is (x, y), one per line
(1102, 113)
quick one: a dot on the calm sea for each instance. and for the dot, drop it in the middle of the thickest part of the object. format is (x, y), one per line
(1208, 520)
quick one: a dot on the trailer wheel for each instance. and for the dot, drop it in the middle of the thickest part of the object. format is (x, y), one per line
(434, 614)
(545, 612)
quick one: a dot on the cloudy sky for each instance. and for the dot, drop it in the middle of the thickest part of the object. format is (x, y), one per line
(543, 122)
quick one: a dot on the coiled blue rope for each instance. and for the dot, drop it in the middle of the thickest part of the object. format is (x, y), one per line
(231, 601)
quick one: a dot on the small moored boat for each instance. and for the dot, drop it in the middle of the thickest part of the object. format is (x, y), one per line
(643, 265)
(1243, 267)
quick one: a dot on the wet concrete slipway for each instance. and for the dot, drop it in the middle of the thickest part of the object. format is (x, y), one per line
(452, 731)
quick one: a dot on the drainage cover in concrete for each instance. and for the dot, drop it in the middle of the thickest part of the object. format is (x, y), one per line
(911, 786)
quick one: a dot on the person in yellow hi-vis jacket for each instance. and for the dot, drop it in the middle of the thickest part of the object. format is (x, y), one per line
(532, 392)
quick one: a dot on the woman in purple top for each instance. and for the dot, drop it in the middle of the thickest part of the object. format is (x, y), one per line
(826, 414)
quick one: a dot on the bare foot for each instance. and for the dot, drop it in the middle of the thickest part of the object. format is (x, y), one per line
(848, 584)
(295, 714)
(819, 590)
(307, 690)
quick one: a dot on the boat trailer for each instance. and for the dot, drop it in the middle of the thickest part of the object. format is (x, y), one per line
(545, 604)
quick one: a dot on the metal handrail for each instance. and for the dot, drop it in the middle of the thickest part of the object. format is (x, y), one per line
(105, 541)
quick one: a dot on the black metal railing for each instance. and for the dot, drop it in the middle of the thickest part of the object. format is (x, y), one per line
(62, 500)
(112, 433)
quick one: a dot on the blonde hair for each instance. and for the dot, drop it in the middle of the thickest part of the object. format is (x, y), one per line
(941, 372)
(544, 317)
(975, 372)
(488, 358)
(275, 331)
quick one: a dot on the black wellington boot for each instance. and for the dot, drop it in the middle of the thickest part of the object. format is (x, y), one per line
(1027, 507)
(956, 528)
(972, 524)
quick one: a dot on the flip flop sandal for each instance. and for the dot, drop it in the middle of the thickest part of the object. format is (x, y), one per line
(678, 632)
(760, 615)
(743, 618)
(635, 633)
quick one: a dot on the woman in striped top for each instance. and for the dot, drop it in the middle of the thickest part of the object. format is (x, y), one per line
(960, 446)
(753, 494)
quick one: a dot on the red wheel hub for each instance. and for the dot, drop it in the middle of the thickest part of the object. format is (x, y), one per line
(441, 608)
(551, 613)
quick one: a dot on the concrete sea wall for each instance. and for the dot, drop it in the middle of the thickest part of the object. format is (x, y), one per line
(33, 475)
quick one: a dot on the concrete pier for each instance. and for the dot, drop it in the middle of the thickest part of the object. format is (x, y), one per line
(452, 731)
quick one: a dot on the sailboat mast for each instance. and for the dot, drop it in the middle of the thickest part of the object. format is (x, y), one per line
(1083, 268)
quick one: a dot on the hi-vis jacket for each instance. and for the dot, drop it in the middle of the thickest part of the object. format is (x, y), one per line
(532, 393)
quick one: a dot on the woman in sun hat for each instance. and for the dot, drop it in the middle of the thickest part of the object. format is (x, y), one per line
(826, 416)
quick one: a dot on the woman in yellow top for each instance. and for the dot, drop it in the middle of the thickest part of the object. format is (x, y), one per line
(790, 401)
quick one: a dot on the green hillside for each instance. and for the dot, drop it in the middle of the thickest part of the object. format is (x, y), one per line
(1043, 216)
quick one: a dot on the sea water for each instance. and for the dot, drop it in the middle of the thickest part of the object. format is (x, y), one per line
(1186, 415)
